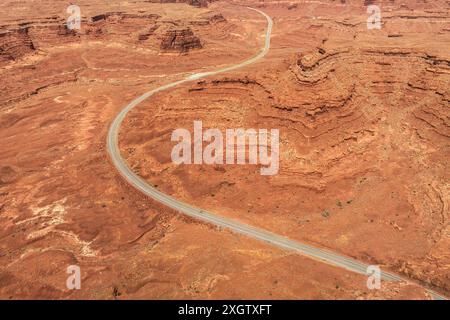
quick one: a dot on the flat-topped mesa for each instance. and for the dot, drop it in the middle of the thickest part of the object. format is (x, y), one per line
(20, 39)
(180, 40)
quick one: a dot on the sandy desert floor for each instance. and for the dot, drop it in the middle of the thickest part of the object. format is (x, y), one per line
(364, 140)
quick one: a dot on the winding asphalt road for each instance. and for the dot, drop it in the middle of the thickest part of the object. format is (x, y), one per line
(197, 213)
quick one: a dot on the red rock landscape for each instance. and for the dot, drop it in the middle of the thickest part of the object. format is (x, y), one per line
(363, 117)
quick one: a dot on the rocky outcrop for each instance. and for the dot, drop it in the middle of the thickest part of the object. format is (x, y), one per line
(18, 40)
(180, 41)
(214, 18)
(198, 3)
(14, 44)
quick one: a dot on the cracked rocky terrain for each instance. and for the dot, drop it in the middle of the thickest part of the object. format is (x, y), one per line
(364, 146)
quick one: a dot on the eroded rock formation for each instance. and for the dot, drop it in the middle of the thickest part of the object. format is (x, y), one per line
(180, 40)
(15, 44)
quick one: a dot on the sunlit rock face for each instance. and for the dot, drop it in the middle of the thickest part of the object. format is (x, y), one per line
(179, 40)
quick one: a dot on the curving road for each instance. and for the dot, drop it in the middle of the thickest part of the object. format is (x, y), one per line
(197, 213)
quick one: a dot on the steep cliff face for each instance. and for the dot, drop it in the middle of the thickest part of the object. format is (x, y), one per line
(143, 26)
(18, 40)
(33, 39)
(180, 40)
(15, 44)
